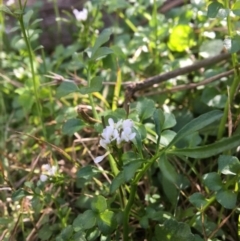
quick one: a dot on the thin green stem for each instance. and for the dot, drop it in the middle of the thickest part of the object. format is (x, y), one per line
(30, 54)
(235, 83)
(133, 190)
(95, 114)
(127, 212)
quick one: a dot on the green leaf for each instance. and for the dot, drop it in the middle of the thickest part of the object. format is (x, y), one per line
(213, 9)
(236, 8)
(27, 17)
(169, 121)
(18, 195)
(65, 88)
(99, 204)
(167, 169)
(117, 182)
(102, 38)
(130, 169)
(106, 222)
(95, 86)
(181, 38)
(213, 181)
(45, 232)
(145, 109)
(5, 9)
(65, 234)
(196, 124)
(101, 53)
(209, 150)
(158, 118)
(211, 48)
(72, 125)
(228, 165)
(172, 230)
(235, 46)
(85, 220)
(167, 136)
(198, 200)
(211, 97)
(227, 198)
(87, 172)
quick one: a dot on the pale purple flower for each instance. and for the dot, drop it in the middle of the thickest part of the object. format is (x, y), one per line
(81, 15)
(43, 178)
(47, 171)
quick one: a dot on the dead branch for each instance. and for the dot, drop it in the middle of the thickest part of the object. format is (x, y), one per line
(157, 79)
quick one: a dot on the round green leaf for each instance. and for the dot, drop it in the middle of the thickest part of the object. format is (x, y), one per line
(213, 9)
(211, 48)
(198, 200)
(72, 125)
(84, 221)
(228, 165)
(145, 108)
(99, 204)
(227, 198)
(65, 88)
(212, 181)
(106, 222)
(169, 121)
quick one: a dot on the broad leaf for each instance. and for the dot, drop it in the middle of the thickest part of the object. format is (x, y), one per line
(172, 230)
(66, 88)
(213, 9)
(167, 169)
(130, 169)
(198, 200)
(227, 198)
(158, 118)
(196, 124)
(87, 172)
(212, 181)
(102, 38)
(95, 86)
(117, 182)
(85, 220)
(145, 109)
(228, 165)
(169, 121)
(106, 222)
(99, 204)
(101, 53)
(72, 125)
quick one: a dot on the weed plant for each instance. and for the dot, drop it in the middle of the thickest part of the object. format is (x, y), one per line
(106, 139)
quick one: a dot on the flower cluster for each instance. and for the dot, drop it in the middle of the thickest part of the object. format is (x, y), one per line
(47, 171)
(81, 15)
(120, 132)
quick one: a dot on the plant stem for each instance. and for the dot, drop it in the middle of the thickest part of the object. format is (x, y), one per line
(133, 189)
(30, 54)
(95, 114)
(127, 211)
(235, 83)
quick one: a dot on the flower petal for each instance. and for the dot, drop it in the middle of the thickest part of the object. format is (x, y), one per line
(43, 178)
(99, 158)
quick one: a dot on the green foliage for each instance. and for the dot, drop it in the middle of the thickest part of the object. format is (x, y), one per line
(169, 165)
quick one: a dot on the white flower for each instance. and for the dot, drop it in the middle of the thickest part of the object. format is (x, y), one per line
(10, 2)
(81, 15)
(43, 177)
(227, 43)
(47, 171)
(116, 132)
(109, 134)
(127, 134)
(100, 158)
